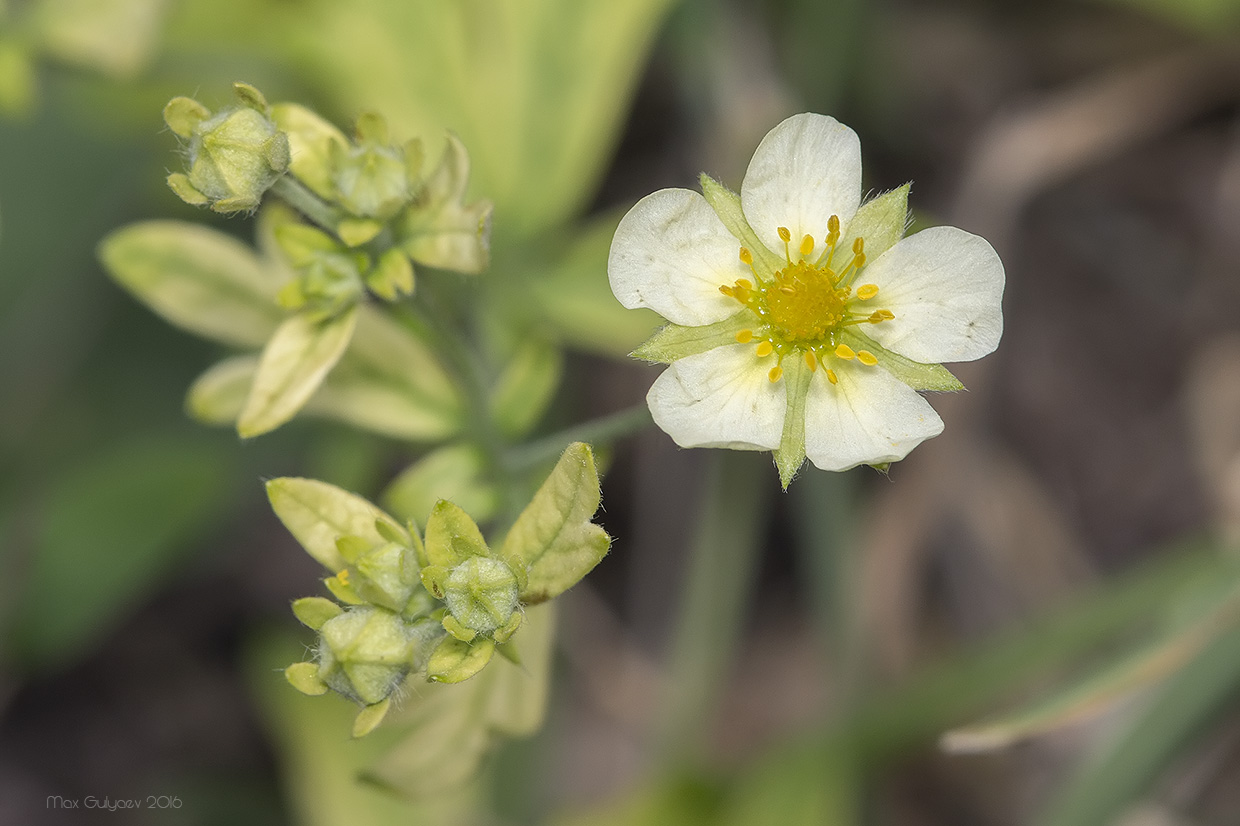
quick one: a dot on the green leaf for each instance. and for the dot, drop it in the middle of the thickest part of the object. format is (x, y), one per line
(674, 342)
(916, 375)
(293, 365)
(727, 205)
(451, 536)
(790, 454)
(554, 537)
(443, 732)
(526, 387)
(317, 514)
(455, 661)
(880, 221)
(314, 611)
(196, 278)
(217, 396)
(108, 532)
(455, 473)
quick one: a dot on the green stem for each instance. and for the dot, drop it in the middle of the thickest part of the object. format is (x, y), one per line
(722, 565)
(603, 430)
(300, 198)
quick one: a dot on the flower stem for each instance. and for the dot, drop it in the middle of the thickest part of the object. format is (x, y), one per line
(718, 584)
(603, 430)
(300, 198)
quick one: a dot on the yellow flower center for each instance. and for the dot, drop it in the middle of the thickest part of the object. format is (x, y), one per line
(803, 307)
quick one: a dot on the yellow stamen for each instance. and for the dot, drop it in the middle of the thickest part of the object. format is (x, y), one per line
(880, 316)
(811, 361)
(343, 576)
(867, 291)
(744, 282)
(765, 349)
(746, 256)
(744, 336)
(784, 234)
(833, 225)
(831, 377)
(845, 352)
(858, 246)
(867, 358)
(786, 290)
(775, 374)
(807, 245)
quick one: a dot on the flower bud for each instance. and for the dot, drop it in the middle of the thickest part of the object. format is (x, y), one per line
(234, 155)
(385, 575)
(372, 178)
(366, 652)
(481, 594)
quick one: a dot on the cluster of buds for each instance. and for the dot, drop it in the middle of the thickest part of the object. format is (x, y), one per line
(438, 607)
(378, 213)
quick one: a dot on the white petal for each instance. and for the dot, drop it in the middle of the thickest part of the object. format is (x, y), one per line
(945, 286)
(805, 170)
(671, 253)
(720, 398)
(870, 417)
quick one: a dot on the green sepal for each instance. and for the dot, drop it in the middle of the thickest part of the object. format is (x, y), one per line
(915, 374)
(179, 183)
(305, 678)
(351, 547)
(371, 127)
(439, 229)
(183, 115)
(790, 454)
(302, 244)
(674, 341)
(727, 205)
(451, 536)
(317, 513)
(314, 611)
(390, 532)
(250, 97)
(343, 591)
(508, 651)
(553, 539)
(392, 276)
(419, 547)
(369, 718)
(311, 141)
(504, 633)
(434, 578)
(456, 629)
(357, 231)
(880, 221)
(455, 661)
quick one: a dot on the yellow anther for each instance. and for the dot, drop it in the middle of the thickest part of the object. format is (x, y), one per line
(858, 246)
(867, 358)
(831, 377)
(786, 290)
(807, 245)
(867, 291)
(859, 259)
(746, 256)
(775, 374)
(845, 352)
(765, 349)
(880, 315)
(744, 336)
(833, 225)
(343, 576)
(784, 234)
(726, 290)
(744, 282)
(811, 361)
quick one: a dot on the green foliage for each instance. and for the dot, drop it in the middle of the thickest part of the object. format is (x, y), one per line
(727, 205)
(673, 341)
(111, 529)
(915, 374)
(317, 514)
(525, 387)
(790, 454)
(553, 538)
(455, 473)
(880, 221)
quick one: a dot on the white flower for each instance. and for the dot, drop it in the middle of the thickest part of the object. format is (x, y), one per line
(801, 321)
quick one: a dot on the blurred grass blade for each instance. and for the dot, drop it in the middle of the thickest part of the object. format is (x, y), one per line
(1102, 687)
(1182, 710)
(197, 278)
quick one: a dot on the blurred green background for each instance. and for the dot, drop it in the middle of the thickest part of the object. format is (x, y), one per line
(1052, 582)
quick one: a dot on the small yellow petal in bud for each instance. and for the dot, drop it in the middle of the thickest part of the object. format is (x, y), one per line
(765, 349)
(775, 374)
(807, 245)
(811, 361)
(784, 234)
(744, 336)
(867, 291)
(867, 358)
(858, 246)
(845, 352)
(746, 256)
(831, 377)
